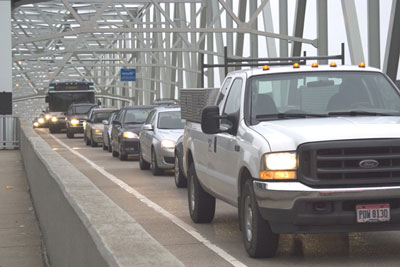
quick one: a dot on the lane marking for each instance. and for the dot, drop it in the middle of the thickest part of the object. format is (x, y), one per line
(186, 227)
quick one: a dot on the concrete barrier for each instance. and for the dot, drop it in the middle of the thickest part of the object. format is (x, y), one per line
(80, 225)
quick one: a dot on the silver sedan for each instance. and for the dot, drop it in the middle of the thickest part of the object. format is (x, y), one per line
(158, 138)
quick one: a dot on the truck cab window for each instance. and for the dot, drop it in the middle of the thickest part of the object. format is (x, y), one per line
(233, 101)
(222, 93)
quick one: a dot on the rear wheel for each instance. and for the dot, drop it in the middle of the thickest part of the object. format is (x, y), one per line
(180, 179)
(259, 240)
(154, 167)
(144, 165)
(201, 203)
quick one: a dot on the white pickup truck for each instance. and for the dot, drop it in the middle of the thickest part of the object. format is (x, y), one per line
(298, 149)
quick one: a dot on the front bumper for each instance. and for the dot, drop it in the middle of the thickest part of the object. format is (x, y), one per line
(59, 124)
(296, 208)
(165, 158)
(75, 129)
(97, 137)
(130, 146)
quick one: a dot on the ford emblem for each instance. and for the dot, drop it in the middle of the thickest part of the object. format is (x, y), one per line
(368, 163)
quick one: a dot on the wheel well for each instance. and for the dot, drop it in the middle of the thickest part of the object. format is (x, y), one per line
(244, 175)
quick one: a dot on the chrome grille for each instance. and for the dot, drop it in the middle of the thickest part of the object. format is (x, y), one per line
(350, 163)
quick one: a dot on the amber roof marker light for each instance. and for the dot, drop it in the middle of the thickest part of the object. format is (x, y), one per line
(296, 65)
(314, 65)
(265, 67)
(361, 65)
(333, 64)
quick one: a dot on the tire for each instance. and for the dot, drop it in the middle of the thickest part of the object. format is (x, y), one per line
(180, 179)
(114, 153)
(201, 203)
(122, 157)
(93, 143)
(70, 134)
(52, 130)
(144, 165)
(153, 165)
(109, 145)
(258, 238)
(104, 146)
(88, 141)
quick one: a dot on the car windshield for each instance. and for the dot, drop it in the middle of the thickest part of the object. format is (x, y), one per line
(170, 120)
(319, 94)
(82, 109)
(99, 117)
(136, 116)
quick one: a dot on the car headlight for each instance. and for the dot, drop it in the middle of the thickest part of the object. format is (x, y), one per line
(47, 117)
(130, 135)
(279, 166)
(41, 120)
(54, 119)
(74, 122)
(168, 144)
(96, 131)
(35, 124)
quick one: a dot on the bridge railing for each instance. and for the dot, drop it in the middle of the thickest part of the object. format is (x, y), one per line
(9, 133)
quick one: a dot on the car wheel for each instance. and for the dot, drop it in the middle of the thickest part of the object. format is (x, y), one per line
(93, 143)
(201, 203)
(104, 146)
(180, 179)
(52, 130)
(88, 141)
(258, 238)
(114, 153)
(70, 134)
(153, 165)
(109, 145)
(122, 156)
(144, 165)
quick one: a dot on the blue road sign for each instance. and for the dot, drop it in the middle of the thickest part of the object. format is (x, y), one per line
(128, 75)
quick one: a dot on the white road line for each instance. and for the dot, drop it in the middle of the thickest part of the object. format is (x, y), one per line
(186, 227)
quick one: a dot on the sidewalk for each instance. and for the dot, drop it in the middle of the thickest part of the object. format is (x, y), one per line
(19, 232)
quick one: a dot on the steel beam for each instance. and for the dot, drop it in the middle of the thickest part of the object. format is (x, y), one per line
(5, 47)
(391, 63)
(352, 31)
(283, 27)
(322, 29)
(298, 26)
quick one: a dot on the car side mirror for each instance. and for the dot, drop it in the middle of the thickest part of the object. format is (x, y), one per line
(147, 127)
(105, 122)
(210, 120)
(116, 122)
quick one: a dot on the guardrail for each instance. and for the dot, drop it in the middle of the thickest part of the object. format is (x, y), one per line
(9, 134)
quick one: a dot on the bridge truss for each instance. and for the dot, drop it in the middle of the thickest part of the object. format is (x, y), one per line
(165, 41)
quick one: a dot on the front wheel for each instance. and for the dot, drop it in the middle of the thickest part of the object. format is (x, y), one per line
(122, 157)
(258, 238)
(93, 143)
(201, 203)
(70, 134)
(180, 179)
(154, 166)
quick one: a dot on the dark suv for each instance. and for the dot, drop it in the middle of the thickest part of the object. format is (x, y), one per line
(77, 115)
(125, 130)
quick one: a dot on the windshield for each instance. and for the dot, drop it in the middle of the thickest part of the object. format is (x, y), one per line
(99, 117)
(82, 109)
(59, 102)
(170, 120)
(136, 116)
(316, 94)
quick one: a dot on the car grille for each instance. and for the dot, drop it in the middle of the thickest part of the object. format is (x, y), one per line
(350, 163)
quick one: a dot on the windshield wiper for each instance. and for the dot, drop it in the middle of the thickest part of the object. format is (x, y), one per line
(359, 113)
(289, 115)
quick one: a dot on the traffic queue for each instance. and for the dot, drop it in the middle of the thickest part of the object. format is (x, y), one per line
(150, 134)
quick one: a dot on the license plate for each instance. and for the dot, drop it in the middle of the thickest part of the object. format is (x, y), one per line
(373, 213)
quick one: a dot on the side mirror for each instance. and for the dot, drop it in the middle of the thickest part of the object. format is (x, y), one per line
(46, 99)
(147, 127)
(210, 120)
(116, 123)
(105, 122)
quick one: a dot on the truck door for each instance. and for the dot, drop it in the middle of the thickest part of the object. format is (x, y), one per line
(226, 146)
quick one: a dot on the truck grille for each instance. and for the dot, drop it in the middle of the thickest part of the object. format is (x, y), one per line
(350, 163)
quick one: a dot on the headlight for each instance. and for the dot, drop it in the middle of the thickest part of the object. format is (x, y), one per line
(41, 120)
(130, 135)
(279, 166)
(35, 124)
(168, 144)
(74, 122)
(47, 117)
(97, 131)
(54, 119)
